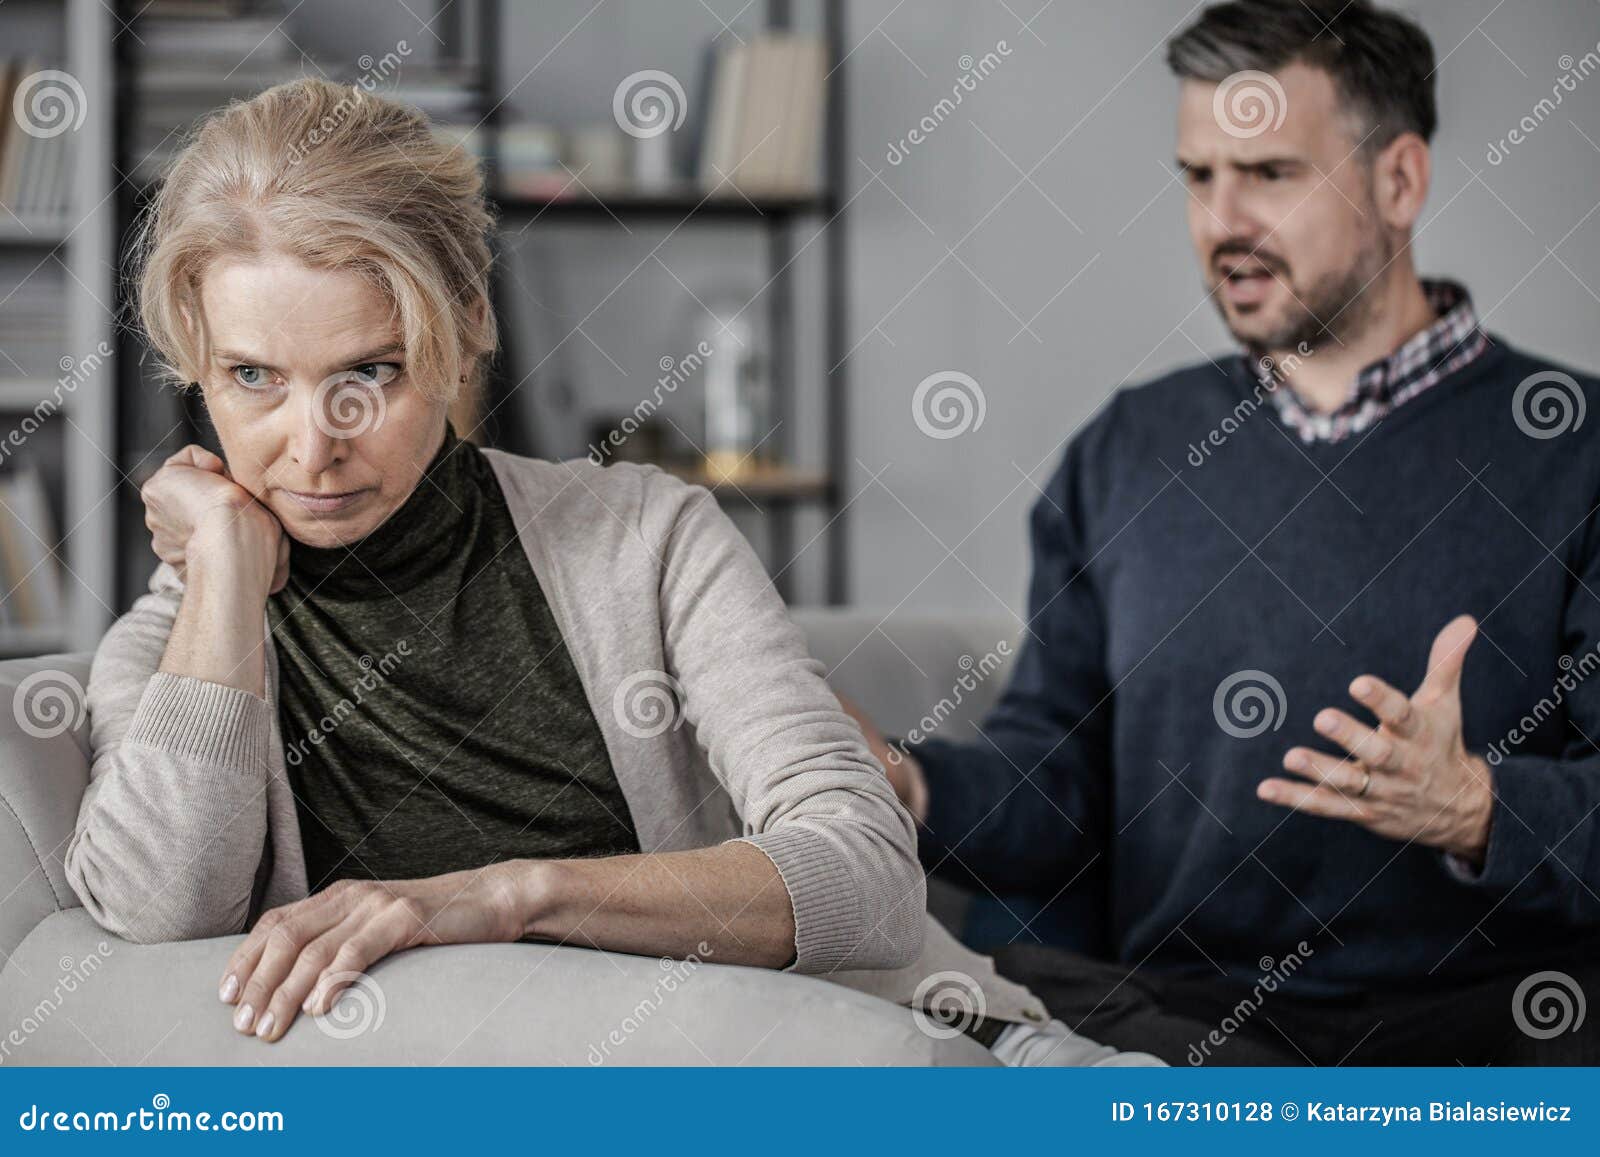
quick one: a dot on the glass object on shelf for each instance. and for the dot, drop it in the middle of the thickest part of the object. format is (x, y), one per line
(738, 390)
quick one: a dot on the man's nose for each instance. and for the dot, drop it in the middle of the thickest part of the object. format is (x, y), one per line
(1229, 216)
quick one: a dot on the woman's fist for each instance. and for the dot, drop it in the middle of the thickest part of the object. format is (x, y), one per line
(192, 505)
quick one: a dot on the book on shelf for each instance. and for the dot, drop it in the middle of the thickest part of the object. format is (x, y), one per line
(763, 118)
(28, 567)
(35, 167)
(33, 325)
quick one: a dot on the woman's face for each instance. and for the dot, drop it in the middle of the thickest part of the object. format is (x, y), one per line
(308, 390)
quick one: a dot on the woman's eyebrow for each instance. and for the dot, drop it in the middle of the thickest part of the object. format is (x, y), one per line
(344, 363)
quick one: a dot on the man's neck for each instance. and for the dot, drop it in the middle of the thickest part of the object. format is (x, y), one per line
(1322, 379)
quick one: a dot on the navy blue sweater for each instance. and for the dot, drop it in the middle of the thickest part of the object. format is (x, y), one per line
(1166, 561)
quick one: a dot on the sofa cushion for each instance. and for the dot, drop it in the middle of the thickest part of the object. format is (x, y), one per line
(72, 994)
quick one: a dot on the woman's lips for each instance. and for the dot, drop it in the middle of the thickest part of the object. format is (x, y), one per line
(325, 503)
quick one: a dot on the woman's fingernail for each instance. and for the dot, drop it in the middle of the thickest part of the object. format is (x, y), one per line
(265, 1027)
(229, 989)
(242, 1018)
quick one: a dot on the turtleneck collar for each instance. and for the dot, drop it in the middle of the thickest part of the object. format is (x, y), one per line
(423, 533)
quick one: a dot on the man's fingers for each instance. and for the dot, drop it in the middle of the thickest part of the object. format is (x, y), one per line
(1314, 800)
(1373, 748)
(1342, 775)
(1448, 654)
(1392, 706)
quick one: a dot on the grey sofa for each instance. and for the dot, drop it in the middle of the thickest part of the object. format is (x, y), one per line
(71, 993)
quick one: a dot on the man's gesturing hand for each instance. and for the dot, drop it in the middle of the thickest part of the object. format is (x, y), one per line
(1412, 777)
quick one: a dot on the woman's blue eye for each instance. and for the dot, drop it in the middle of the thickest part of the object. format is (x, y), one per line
(376, 373)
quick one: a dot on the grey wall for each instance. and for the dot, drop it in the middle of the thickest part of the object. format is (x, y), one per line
(1083, 106)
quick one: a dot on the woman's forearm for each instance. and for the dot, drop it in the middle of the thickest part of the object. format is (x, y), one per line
(219, 632)
(729, 897)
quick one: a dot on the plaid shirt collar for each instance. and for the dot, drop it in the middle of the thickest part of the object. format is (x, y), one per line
(1449, 344)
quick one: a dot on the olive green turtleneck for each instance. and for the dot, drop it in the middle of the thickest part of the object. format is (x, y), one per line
(432, 717)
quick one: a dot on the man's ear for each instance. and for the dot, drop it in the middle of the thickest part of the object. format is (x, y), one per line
(1400, 177)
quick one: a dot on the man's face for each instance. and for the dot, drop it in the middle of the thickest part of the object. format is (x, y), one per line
(1283, 221)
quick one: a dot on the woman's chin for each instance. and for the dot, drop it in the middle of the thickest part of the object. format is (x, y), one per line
(326, 530)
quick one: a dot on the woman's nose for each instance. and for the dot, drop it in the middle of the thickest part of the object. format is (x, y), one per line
(317, 441)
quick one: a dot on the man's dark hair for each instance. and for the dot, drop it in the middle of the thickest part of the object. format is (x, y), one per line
(1381, 62)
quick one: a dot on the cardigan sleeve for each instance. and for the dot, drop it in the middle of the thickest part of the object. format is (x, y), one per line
(808, 791)
(171, 828)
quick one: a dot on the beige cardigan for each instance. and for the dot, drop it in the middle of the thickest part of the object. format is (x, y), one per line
(189, 830)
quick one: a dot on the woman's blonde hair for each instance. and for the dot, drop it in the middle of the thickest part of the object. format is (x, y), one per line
(339, 178)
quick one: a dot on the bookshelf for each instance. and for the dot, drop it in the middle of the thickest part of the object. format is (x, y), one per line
(57, 380)
(777, 490)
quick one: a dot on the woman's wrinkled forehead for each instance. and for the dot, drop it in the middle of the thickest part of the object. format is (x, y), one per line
(283, 312)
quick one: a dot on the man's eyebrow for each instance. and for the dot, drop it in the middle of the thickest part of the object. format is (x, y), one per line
(1255, 163)
(1277, 162)
(343, 363)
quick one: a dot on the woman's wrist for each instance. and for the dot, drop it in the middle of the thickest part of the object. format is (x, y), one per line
(532, 892)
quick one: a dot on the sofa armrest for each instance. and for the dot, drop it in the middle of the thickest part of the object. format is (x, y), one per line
(77, 995)
(44, 769)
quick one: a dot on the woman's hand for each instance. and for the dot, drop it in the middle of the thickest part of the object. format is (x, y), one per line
(300, 956)
(193, 493)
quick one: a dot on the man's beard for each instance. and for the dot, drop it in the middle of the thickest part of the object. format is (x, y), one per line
(1337, 307)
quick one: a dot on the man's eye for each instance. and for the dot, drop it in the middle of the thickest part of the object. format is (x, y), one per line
(375, 373)
(240, 375)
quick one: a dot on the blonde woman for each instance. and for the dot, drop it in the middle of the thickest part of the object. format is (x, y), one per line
(390, 690)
